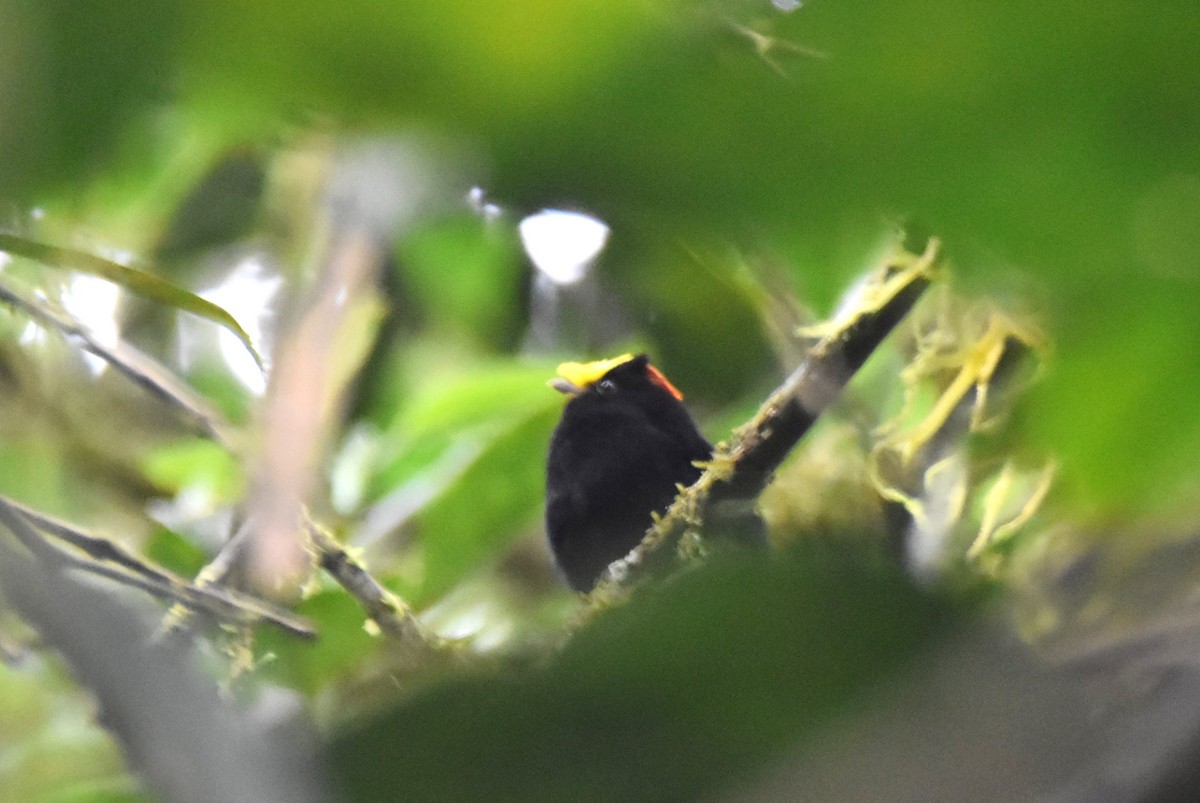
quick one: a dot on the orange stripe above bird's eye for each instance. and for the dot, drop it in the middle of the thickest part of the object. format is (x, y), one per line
(656, 376)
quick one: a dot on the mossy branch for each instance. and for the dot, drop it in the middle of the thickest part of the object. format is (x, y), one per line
(743, 466)
(383, 607)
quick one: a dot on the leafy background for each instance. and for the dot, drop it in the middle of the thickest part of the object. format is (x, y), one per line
(750, 161)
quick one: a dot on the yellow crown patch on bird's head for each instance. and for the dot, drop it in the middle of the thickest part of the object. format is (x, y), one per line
(576, 377)
(583, 374)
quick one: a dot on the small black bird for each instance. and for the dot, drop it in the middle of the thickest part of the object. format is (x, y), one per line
(624, 443)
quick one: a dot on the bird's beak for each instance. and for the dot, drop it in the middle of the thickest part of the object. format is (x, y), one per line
(564, 386)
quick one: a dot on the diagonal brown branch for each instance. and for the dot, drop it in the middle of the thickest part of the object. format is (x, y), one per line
(743, 467)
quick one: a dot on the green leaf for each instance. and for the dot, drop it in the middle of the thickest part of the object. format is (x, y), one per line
(467, 274)
(309, 666)
(172, 551)
(486, 394)
(146, 285)
(73, 79)
(1113, 409)
(459, 60)
(34, 470)
(450, 415)
(487, 505)
(53, 748)
(115, 789)
(195, 463)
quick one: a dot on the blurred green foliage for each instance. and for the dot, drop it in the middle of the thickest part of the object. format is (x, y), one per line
(743, 157)
(680, 695)
(49, 751)
(340, 652)
(1059, 141)
(446, 264)
(196, 465)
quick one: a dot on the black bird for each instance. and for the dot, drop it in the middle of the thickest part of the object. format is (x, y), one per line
(624, 443)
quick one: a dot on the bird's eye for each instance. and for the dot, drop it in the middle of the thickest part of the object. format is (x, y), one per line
(606, 386)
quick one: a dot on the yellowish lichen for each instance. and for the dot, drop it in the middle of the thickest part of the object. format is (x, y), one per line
(920, 458)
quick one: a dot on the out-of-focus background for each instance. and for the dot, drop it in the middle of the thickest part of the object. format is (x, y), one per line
(415, 211)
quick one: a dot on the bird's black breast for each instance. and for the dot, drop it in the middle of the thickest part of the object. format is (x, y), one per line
(609, 467)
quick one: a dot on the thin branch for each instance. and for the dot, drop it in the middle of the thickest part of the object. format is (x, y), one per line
(142, 369)
(111, 561)
(24, 532)
(213, 575)
(742, 468)
(95, 546)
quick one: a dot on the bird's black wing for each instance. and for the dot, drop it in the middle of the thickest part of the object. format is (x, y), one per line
(603, 479)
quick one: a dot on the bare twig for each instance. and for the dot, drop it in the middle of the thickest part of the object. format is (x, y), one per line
(741, 469)
(112, 561)
(95, 546)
